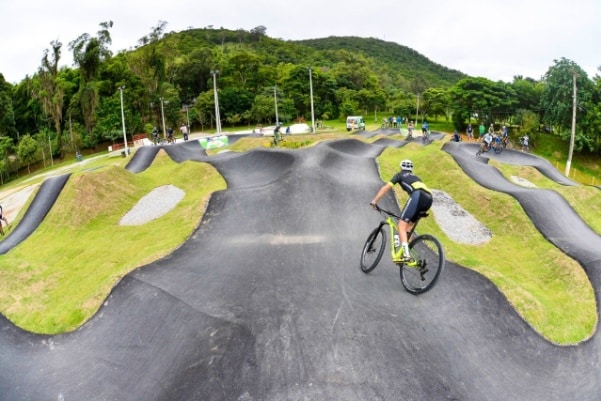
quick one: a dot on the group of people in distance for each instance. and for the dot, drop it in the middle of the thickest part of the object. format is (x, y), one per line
(170, 137)
(491, 138)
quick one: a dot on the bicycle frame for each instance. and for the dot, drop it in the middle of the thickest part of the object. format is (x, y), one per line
(393, 228)
(421, 269)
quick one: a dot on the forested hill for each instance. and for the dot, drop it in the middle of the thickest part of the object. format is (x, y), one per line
(407, 62)
(396, 65)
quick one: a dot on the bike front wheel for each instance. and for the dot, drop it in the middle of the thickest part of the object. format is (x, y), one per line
(373, 249)
(421, 274)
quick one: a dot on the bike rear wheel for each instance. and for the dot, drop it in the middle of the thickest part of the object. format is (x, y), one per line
(373, 249)
(429, 260)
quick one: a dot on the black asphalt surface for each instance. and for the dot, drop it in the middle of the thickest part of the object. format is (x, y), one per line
(37, 211)
(266, 301)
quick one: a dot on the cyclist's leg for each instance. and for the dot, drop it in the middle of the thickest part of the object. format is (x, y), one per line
(408, 217)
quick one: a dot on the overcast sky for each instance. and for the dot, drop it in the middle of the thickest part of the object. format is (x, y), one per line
(496, 39)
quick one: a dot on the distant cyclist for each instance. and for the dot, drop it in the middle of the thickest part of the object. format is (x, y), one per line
(505, 134)
(486, 143)
(420, 200)
(525, 143)
(410, 130)
(496, 142)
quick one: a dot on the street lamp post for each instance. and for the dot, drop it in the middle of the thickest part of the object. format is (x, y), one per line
(312, 108)
(163, 118)
(187, 119)
(123, 120)
(417, 111)
(275, 98)
(217, 116)
(574, 104)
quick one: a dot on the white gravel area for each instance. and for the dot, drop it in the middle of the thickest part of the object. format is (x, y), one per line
(152, 206)
(523, 182)
(458, 224)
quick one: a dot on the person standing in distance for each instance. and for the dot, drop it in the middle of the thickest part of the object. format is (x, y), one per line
(470, 132)
(420, 200)
(3, 217)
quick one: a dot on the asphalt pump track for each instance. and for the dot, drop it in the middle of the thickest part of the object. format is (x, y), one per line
(266, 300)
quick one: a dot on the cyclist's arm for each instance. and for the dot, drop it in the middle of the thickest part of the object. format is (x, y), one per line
(383, 190)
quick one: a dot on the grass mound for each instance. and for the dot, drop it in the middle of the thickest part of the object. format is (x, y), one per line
(59, 277)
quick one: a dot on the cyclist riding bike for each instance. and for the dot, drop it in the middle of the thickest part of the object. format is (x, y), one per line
(496, 142)
(486, 143)
(420, 200)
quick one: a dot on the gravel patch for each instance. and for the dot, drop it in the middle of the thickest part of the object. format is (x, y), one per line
(523, 182)
(152, 206)
(458, 224)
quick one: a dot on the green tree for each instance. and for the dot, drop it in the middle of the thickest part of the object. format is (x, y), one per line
(7, 148)
(528, 93)
(205, 108)
(263, 109)
(7, 113)
(557, 100)
(52, 87)
(436, 101)
(88, 54)
(28, 151)
(482, 98)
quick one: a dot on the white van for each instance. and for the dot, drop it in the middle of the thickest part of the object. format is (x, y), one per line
(355, 122)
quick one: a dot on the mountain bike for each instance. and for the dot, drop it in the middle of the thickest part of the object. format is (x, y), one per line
(425, 136)
(421, 271)
(497, 145)
(484, 147)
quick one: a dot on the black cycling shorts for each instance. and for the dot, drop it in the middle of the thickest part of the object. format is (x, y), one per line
(418, 201)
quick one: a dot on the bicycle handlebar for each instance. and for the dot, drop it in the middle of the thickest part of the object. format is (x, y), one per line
(389, 213)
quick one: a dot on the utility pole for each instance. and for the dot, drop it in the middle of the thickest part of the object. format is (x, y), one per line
(312, 108)
(122, 121)
(417, 112)
(187, 119)
(574, 105)
(163, 118)
(275, 98)
(217, 115)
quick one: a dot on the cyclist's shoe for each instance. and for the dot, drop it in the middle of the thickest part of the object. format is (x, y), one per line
(400, 257)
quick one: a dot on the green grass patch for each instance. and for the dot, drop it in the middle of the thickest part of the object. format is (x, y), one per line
(585, 200)
(59, 277)
(548, 289)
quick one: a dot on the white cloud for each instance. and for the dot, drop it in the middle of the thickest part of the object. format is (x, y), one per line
(496, 39)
